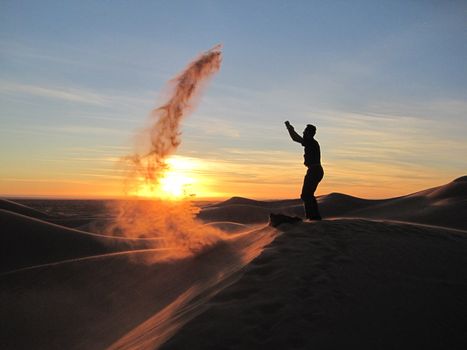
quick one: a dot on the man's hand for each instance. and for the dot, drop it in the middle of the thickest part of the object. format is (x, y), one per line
(293, 134)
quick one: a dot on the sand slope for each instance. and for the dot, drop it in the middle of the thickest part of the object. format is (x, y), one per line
(26, 241)
(15, 207)
(119, 299)
(343, 284)
(63, 288)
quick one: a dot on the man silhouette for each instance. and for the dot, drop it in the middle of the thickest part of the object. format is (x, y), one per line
(315, 171)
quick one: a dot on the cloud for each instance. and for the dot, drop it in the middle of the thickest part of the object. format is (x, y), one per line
(68, 94)
(80, 129)
(77, 95)
(37, 180)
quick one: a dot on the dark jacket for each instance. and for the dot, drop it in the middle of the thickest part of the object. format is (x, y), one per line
(312, 154)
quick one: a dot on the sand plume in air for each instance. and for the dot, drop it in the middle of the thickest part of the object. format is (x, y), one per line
(173, 222)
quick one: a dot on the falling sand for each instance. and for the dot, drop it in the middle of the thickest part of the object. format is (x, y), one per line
(172, 222)
(163, 135)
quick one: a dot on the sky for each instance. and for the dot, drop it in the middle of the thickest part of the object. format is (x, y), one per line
(385, 82)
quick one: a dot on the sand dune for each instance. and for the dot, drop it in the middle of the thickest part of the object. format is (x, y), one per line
(442, 206)
(256, 203)
(15, 207)
(228, 226)
(343, 284)
(27, 241)
(257, 212)
(113, 299)
(346, 282)
(55, 213)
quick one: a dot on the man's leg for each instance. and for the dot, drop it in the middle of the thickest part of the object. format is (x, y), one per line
(308, 198)
(314, 209)
(307, 206)
(310, 183)
(311, 209)
(304, 194)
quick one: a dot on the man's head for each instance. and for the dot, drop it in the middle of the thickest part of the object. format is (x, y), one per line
(309, 131)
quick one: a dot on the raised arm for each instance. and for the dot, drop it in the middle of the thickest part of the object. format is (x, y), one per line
(293, 134)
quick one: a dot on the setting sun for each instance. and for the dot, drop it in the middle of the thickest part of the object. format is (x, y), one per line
(178, 181)
(175, 184)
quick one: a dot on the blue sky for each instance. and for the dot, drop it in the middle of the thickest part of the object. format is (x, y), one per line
(384, 81)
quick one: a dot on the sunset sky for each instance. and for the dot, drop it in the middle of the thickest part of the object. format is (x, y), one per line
(385, 82)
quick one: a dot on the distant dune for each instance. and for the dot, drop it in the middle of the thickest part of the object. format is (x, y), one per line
(441, 206)
(248, 211)
(376, 274)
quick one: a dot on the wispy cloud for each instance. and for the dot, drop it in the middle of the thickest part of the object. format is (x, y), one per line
(38, 180)
(80, 129)
(78, 95)
(68, 94)
(73, 57)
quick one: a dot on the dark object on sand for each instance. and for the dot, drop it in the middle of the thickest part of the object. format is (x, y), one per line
(279, 219)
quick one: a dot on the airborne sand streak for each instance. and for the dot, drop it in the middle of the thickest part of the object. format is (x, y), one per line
(172, 221)
(164, 132)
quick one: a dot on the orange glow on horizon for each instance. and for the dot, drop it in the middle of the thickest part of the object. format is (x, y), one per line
(181, 180)
(213, 179)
